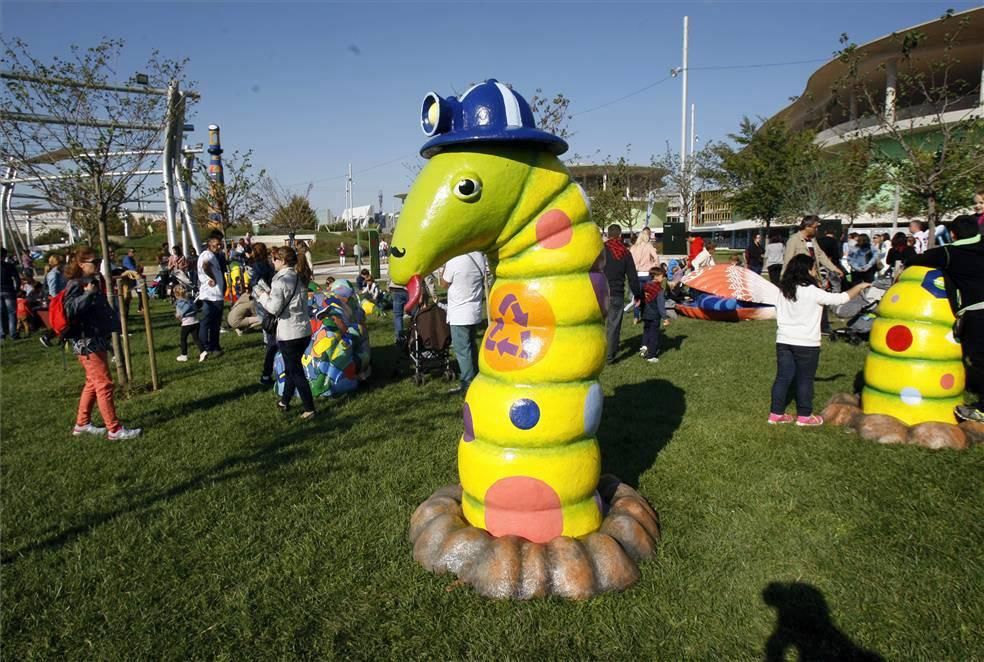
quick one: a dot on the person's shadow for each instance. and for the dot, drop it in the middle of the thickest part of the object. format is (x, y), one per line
(638, 422)
(803, 622)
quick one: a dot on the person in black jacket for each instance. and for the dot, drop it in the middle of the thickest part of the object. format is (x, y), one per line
(619, 266)
(962, 263)
(9, 284)
(91, 323)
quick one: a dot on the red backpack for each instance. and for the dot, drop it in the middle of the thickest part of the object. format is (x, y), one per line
(57, 318)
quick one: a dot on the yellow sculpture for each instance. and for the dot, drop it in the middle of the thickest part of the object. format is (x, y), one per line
(528, 460)
(914, 371)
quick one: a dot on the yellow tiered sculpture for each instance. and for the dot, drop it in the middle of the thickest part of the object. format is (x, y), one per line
(914, 370)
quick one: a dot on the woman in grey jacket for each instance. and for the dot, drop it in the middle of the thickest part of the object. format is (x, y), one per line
(287, 298)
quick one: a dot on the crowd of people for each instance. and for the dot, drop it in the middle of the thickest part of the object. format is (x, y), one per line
(269, 287)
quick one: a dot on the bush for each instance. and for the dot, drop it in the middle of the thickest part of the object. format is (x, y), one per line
(51, 236)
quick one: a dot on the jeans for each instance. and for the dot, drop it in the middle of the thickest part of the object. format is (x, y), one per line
(794, 364)
(651, 335)
(637, 311)
(208, 332)
(400, 298)
(613, 327)
(190, 330)
(775, 271)
(463, 341)
(292, 351)
(98, 388)
(8, 315)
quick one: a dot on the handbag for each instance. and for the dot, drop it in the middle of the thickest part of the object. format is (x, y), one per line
(270, 321)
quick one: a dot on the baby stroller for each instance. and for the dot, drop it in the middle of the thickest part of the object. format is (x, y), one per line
(428, 343)
(860, 314)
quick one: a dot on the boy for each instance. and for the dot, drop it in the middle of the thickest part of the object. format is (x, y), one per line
(653, 314)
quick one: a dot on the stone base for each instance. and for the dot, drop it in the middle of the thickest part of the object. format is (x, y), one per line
(844, 409)
(513, 567)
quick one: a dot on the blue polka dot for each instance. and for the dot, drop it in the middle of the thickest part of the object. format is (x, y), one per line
(592, 409)
(524, 414)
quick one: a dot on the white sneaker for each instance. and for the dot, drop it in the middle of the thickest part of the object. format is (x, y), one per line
(124, 433)
(655, 359)
(239, 332)
(202, 357)
(182, 358)
(643, 350)
(88, 428)
(221, 330)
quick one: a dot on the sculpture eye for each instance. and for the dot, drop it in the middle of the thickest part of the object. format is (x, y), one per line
(468, 189)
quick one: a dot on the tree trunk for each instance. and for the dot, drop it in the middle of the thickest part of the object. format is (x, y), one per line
(108, 278)
(931, 240)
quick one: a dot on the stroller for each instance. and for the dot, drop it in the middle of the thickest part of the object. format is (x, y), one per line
(859, 313)
(428, 343)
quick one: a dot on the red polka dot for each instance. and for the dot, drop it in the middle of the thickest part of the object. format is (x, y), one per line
(525, 507)
(898, 338)
(554, 229)
(947, 381)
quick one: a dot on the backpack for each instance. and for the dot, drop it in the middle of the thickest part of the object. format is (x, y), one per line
(57, 318)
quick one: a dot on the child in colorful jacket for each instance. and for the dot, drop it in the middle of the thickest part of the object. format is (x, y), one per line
(654, 315)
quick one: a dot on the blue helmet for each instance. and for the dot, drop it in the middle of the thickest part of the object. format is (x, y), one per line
(487, 112)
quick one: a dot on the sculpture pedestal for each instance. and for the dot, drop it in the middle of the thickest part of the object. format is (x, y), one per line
(844, 409)
(513, 567)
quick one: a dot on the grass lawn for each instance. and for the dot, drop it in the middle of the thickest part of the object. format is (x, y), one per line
(231, 531)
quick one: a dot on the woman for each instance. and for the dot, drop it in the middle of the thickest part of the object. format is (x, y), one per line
(287, 299)
(774, 251)
(900, 253)
(54, 279)
(862, 259)
(261, 271)
(705, 258)
(646, 257)
(92, 323)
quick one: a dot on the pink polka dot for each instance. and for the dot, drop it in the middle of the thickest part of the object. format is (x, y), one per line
(554, 229)
(898, 338)
(947, 381)
(895, 298)
(525, 507)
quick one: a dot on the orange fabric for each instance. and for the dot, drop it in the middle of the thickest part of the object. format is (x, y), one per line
(98, 387)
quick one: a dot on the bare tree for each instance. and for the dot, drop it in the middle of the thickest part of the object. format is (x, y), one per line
(85, 141)
(285, 207)
(688, 182)
(935, 154)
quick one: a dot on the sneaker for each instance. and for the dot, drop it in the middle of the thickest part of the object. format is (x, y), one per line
(202, 357)
(45, 340)
(777, 419)
(643, 350)
(307, 416)
(266, 381)
(654, 359)
(809, 421)
(969, 413)
(88, 428)
(124, 433)
(455, 389)
(182, 358)
(239, 332)
(223, 330)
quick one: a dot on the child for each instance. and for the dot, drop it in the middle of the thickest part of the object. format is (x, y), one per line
(798, 311)
(186, 311)
(653, 314)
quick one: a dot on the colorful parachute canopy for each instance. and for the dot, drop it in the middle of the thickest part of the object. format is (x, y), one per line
(734, 282)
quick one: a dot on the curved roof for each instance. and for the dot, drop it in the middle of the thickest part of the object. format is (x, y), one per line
(818, 90)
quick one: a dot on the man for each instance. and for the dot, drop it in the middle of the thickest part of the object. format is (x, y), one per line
(9, 284)
(755, 255)
(130, 261)
(211, 278)
(619, 266)
(242, 315)
(962, 262)
(920, 232)
(695, 246)
(464, 278)
(357, 251)
(802, 243)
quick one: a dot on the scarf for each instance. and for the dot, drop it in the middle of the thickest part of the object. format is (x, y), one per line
(652, 290)
(616, 248)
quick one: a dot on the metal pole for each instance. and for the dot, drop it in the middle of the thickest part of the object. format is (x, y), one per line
(189, 162)
(693, 123)
(683, 118)
(150, 334)
(5, 196)
(168, 166)
(124, 333)
(895, 210)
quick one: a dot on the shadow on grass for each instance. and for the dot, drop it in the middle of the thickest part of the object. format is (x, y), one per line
(803, 622)
(638, 422)
(631, 346)
(267, 458)
(830, 378)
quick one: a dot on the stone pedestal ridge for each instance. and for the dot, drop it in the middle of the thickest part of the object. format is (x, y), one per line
(844, 410)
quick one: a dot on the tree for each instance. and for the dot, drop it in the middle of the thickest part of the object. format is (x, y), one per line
(551, 113)
(936, 155)
(611, 204)
(237, 199)
(856, 179)
(84, 139)
(759, 170)
(689, 181)
(286, 208)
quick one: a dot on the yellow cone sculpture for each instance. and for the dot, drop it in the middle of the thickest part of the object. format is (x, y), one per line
(914, 370)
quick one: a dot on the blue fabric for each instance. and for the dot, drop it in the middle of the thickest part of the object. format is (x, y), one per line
(8, 304)
(797, 366)
(400, 299)
(208, 331)
(463, 341)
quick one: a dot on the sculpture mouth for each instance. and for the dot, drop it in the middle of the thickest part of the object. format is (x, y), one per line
(414, 292)
(397, 252)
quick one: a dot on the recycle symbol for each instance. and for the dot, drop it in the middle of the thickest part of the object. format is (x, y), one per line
(520, 318)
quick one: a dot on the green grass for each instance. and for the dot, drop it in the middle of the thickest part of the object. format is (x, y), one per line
(230, 531)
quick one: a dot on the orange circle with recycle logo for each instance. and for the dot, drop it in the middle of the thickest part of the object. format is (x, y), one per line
(521, 330)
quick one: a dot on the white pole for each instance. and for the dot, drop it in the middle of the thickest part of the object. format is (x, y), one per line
(683, 117)
(693, 123)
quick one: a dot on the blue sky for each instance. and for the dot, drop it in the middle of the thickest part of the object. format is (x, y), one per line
(310, 87)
